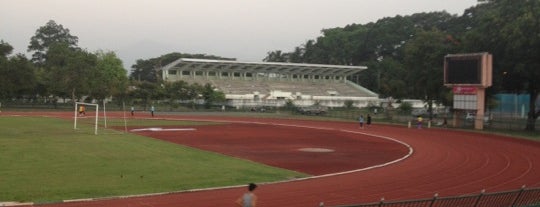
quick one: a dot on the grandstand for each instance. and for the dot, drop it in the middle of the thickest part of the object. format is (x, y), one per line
(254, 84)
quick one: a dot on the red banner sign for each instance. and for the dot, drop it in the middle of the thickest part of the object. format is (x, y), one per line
(464, 90)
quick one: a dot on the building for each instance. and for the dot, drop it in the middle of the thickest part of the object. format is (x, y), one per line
(255, 84)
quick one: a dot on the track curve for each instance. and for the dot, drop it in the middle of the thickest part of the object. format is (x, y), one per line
(446, 162)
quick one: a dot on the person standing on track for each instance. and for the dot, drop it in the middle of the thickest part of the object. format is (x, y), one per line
(248, 199)
(361, 121)
(152, 110)
(132, 110)
(368, 121)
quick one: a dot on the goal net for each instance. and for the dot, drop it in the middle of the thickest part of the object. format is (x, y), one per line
(92, 118)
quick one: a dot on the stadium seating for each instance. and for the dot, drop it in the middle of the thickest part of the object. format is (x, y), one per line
(271, 84)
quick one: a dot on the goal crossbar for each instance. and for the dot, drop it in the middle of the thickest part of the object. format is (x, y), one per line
(77, 105)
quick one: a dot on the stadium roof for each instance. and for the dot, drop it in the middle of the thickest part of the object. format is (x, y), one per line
(262, 67)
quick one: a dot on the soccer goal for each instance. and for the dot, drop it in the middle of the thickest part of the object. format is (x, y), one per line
(88, 118)
(81, 111)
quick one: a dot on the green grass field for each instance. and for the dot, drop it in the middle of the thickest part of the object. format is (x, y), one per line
(45, 160)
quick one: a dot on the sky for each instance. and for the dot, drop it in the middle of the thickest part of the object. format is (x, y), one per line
(241, 29)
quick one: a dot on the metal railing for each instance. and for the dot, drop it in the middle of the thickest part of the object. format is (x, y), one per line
(517, 198)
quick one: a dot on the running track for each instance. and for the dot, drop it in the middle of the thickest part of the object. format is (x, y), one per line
(446, 162)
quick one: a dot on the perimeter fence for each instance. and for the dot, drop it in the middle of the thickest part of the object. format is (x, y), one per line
(517, 198)
(497, 121)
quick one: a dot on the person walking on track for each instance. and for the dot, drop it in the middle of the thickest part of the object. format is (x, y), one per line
(248, 199)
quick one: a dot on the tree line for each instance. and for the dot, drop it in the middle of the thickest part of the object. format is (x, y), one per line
(59, 69)
(404, 55)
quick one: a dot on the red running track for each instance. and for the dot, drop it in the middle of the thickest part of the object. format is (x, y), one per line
(447, 162)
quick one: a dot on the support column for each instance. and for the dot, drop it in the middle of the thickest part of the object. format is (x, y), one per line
(480, 106)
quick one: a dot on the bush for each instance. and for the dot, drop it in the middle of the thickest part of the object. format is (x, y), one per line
(405, 108)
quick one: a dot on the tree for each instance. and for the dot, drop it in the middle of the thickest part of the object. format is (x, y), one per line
(386, 77)
(22, 76)
(515, 46)
(70, 71)
(147, 70)
(423, 60)
(109, 78)
(379, 45)
(5, 85)
(275, 56)
(46, 36)
(178, 90)
(289, 105)
(405, 108)
(296, 56)
(211, 96)
(146, 92)
(349, 104)
(17, 78)
(5, 49)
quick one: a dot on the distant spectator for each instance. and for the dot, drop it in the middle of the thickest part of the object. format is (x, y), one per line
(368, 121)
(361, 121)
(419, 121)
(445, 122)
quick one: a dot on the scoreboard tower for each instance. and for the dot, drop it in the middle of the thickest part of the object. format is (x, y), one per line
(468, 75)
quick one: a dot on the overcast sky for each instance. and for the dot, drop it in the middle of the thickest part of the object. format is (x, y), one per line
(242, 29)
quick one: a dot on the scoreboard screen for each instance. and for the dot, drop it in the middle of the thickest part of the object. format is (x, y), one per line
(464, 70)
(467, 69)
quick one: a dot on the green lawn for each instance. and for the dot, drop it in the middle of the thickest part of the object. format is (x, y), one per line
(45, 160)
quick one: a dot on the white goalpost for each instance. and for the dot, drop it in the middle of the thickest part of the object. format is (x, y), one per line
(80, 111)
(87, 114)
